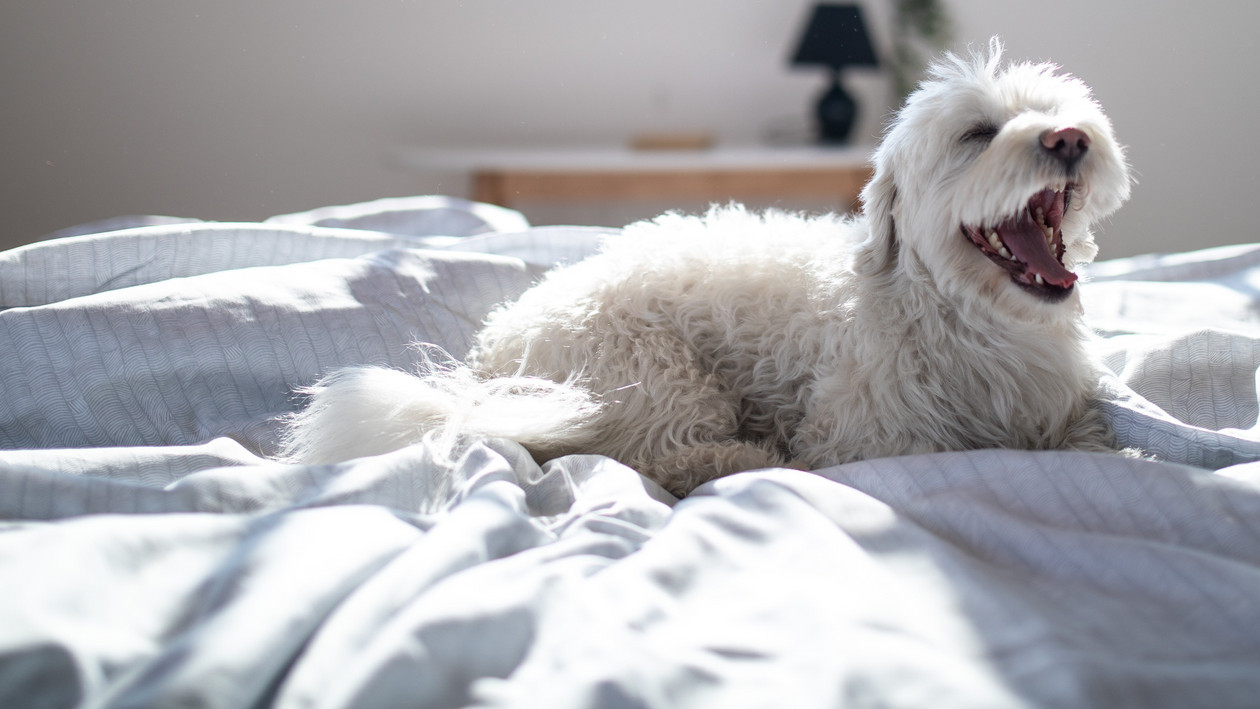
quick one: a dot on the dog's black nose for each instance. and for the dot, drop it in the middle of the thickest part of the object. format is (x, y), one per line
(1066, 145)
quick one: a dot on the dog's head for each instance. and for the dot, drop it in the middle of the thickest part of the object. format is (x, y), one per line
(988, 181)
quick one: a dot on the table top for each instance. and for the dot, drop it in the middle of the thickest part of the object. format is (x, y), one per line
(613, 159)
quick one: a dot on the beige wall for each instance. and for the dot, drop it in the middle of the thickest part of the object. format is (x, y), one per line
(236, 111)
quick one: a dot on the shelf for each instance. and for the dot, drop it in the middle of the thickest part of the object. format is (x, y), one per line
(512, 176)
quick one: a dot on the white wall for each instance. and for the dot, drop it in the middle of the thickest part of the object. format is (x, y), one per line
(239, 111)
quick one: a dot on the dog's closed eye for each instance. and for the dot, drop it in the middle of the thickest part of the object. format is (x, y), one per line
(982, 133)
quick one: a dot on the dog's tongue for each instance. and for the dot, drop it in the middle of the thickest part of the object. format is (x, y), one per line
(1027, 242)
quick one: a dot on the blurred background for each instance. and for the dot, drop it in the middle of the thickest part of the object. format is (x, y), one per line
(238, 111)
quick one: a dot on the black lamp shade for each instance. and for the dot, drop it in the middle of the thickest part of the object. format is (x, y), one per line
(835, 37)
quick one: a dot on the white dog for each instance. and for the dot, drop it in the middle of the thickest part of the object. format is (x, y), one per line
(945, 317)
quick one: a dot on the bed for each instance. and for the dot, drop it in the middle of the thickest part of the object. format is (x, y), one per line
(152, 554)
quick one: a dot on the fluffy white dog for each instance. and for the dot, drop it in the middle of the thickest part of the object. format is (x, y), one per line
(945, 317)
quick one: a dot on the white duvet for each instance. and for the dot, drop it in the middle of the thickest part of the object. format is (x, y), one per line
(153, 556)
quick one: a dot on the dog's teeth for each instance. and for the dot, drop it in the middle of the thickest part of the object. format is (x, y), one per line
(1040, 281)
(994, 241)
(1005, 254)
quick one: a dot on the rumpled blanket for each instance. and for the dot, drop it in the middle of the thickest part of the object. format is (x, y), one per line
(153, 556)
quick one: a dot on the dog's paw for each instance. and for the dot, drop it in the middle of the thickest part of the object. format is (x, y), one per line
(1138, 454)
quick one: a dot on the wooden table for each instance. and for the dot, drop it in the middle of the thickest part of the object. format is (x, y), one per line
(510, 177)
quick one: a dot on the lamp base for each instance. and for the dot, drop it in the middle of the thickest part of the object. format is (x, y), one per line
(835, 113)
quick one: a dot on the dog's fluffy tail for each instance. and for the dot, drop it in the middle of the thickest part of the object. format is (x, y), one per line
(367, 411)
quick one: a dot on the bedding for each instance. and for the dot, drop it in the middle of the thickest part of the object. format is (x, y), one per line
(152, 554)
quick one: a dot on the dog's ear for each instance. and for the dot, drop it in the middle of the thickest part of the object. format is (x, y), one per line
(878, 253)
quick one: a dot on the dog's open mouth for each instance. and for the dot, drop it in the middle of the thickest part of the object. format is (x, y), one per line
(1029, 245)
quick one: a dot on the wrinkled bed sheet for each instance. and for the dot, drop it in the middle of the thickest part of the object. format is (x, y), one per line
(153, 556)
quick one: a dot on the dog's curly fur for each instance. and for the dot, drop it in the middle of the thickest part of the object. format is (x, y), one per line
(695, 347)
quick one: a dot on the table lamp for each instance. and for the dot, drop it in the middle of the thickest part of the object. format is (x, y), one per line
(835, 38)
